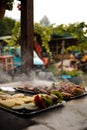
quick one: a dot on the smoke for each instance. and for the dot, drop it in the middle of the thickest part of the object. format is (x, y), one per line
(4, 76)
(32, 76)
(41, 77)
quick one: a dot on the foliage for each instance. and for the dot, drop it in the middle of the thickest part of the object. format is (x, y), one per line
(8, 4)
(60, 29)
(73, 72)
(6, 26)
(45, 34)
(15, 35)
(76, 30)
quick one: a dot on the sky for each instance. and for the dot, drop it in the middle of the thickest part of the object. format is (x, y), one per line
(57, 11)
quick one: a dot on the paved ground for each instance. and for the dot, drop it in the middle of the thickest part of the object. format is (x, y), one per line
(72, 117)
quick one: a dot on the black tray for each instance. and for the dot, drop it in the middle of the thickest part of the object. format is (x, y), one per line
(76, 97)
(26, 91)
(32, 92)
(16, 91)
(28, 113)
(81, 95)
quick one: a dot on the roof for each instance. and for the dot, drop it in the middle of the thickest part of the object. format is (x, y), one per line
(62, 37)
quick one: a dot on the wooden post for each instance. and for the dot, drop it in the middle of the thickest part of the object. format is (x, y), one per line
(27, 35)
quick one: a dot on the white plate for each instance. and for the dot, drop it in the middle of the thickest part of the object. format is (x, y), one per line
(10, 89)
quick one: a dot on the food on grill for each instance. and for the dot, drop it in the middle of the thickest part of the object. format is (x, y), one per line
(77, 91)
(30, 106)
(66, 88)
(45, 100)
(15, 101)
(54, 98)
(46, 96)
(18, 107)
(58, 94)
(5, 96)
(66, 95)
(18, 101)
(2, 93)
(7, 103)
(39, 102)
(70, 90)
(18, 95)
(28, 99)
(37, 88)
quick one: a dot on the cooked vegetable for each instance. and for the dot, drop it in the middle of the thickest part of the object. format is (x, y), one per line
(39, 102)
(54, 98)
(77, 91)
(66, 95)
(58, 94)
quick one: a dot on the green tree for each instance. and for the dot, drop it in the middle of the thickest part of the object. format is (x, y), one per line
(76, 30)
(6, 26)
(15, 35)
(8, 4)
(45, 21)
(44, 33)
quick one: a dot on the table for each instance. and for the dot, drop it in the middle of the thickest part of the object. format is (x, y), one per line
(73, 116)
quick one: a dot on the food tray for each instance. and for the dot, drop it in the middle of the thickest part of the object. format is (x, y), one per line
(32, 92)
(76, 97)
(26, 91)
(24, 112)
(28, 113)
(81, 95)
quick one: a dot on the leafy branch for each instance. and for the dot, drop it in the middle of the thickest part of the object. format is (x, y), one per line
(8, 4)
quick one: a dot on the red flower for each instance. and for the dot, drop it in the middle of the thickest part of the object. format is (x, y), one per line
(19, 6)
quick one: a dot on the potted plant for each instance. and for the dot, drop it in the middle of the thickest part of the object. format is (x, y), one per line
(5, 5)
